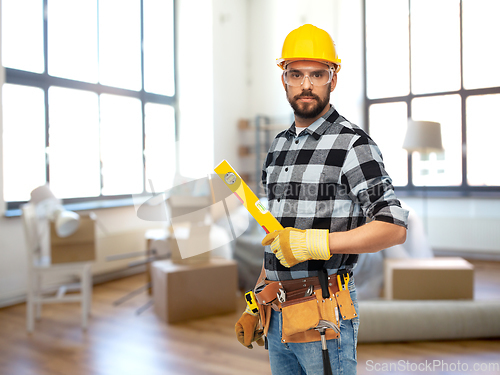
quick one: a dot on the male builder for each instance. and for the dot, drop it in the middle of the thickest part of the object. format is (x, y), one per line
(324, 178)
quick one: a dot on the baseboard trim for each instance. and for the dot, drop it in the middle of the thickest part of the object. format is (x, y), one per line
(11, 301)
(96, 279)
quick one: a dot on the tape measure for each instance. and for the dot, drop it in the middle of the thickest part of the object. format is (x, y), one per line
(247, 197)
(251, 301)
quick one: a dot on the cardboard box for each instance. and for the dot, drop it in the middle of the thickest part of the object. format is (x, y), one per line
(189, 235)
(427, 279)
(184, 292)
(191, 240)
(198, 243)
(79, 247)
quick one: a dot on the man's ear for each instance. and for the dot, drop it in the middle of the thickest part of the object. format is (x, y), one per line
(334, 82)
(283, 82)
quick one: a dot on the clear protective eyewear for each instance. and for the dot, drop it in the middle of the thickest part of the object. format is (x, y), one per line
(317, 77)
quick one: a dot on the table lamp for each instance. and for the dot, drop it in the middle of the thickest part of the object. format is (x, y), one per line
(48, 206)
(423, 137)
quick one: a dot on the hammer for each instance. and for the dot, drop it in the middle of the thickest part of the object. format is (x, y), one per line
(321, 328)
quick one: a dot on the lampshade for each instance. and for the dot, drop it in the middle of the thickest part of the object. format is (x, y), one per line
(66, 222)
(48, 206)
(423, 136)
(41, 193)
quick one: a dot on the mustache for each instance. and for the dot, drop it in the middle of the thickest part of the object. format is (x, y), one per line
(306, 93)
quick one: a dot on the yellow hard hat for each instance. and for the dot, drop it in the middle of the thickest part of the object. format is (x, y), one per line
(309, 42)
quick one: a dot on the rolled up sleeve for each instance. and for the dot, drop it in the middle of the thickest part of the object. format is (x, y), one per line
(369, 185)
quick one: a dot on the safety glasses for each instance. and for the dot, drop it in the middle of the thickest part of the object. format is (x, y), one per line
(317, 77)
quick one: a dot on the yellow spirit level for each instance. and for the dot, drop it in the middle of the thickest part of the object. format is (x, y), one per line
(247, 197)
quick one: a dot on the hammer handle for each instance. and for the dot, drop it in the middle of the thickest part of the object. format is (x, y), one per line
(326, 363)
(327, 367)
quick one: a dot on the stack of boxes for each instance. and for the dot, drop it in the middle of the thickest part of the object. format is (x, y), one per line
(192, 285)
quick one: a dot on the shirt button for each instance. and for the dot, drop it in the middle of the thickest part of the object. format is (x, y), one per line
(297, 142)
(279, 200)
(286, 169)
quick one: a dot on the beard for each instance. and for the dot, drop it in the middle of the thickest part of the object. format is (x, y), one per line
(311, 109)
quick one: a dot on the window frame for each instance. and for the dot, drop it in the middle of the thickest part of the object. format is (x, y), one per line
(44, 81)
(464, 189)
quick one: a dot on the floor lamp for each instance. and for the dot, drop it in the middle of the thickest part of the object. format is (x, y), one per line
(423, 137)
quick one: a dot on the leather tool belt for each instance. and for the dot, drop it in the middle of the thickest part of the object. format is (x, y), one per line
(302, 305)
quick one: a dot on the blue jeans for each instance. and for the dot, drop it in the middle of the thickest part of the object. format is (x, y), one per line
(306, 358)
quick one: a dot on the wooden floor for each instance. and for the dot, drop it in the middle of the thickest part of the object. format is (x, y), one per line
(119, 342)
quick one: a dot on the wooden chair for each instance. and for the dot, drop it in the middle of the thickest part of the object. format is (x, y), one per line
(40, 268)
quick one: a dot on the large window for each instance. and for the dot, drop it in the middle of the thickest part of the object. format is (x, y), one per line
(431, 60)
(89, 98)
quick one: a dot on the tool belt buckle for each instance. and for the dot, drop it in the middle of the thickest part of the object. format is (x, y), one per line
(281, 295)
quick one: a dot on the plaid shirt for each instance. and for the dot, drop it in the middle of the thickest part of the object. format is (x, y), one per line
(330, 176)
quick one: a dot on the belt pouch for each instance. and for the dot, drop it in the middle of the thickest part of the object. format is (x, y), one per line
(327, 307)
(265, 317)
(300, 315)
(345, 304)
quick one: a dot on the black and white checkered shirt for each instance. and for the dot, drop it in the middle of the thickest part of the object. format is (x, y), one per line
(330, 176)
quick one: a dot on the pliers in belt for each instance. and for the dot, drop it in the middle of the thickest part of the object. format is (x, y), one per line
(342, 279)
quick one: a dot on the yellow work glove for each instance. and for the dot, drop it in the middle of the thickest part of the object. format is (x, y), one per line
(246, 329)
(293, 246)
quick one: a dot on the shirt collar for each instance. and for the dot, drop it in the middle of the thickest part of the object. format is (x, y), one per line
(317, 128)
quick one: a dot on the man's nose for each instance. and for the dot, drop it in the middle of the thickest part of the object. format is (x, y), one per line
(306, 83)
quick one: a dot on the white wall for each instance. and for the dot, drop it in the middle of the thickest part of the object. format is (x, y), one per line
(195, 86)
(348, 96)
(212, 57)
(229, 76)
(462, 226)
(2, 81)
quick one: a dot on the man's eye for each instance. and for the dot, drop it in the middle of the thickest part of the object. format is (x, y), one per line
(317, 74)
(296, 75)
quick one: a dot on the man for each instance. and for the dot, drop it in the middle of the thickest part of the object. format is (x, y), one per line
(324, 178)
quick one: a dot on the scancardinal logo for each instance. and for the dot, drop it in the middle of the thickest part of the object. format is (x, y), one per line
(201, 215)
